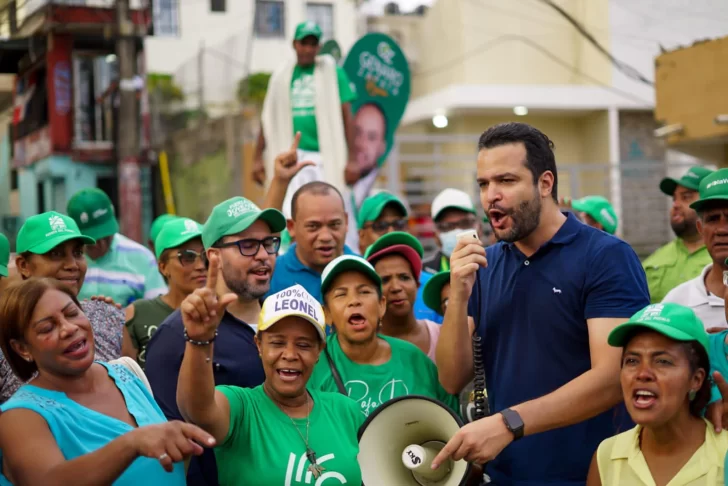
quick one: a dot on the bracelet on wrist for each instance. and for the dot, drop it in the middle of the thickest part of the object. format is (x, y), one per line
(199, 343)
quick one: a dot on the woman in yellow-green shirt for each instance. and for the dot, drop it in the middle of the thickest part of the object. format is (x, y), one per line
(665, 384)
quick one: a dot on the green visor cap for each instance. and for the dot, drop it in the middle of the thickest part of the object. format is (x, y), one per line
(347, 263)
(4, 255)
(669, 319)
(432, 292)
(175, 233)
(713, 189)
(304, 29)
(158, 224)
(600, 209)
(43, 232)
(236, 215)
(691, 179)
(373, 206)
(93, 212)
(395, 238)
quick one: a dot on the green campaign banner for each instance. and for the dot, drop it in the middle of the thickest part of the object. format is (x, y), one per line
(379, 73)
(332, 48)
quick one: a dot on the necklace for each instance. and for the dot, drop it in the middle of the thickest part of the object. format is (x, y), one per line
(314, 468)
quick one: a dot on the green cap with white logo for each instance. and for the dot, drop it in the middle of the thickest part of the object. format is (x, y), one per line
(4, 255)
(691, 179)
(373, 206)
(348, 263)
(669, 319)
(236, 215)
(158, 224)
(713, 189)
(600, 209)
(175, 233)
(305, 29)
(93, 212)
(43, 232)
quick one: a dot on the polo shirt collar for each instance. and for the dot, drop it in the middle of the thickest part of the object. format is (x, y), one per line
(565, 235)
(294, 264)
(680, 244)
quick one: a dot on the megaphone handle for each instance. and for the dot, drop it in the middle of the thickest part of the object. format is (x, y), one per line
(479, 400)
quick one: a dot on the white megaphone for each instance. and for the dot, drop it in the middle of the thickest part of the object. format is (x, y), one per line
(399, 440)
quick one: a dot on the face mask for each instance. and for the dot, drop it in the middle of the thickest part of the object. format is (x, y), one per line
(449, 240)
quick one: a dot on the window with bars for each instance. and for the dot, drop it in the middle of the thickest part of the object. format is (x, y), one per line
(323, 15)
(217, 6)
(166, 17)
(270, 18)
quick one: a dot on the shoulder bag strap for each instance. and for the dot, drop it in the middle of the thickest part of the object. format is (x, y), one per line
(335, 373)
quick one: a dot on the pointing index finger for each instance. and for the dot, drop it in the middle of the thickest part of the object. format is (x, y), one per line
(212, 272)
(296, 141)
(447, 451)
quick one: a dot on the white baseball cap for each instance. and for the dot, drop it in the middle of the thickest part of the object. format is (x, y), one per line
(452, 198)
(292, 302)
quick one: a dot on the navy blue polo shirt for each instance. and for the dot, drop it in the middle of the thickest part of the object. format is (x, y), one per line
(531, 314)
(290, 271)
(235, 362)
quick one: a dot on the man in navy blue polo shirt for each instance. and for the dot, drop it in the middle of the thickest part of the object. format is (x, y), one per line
(243, 238)
(543, 302)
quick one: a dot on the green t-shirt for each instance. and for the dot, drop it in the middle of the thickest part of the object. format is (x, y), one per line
(148, 316)
(263, 447)
(408, 372)
(303, 103)
(671, 265)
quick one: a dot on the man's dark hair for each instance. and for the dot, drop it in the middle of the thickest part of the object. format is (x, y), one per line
(539, 148)
(318, 188)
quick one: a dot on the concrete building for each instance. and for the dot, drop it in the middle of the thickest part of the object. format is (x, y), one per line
(476, 63)
(210, 45)
(57, 137)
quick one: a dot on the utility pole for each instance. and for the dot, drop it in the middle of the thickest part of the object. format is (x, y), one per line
(129, 173)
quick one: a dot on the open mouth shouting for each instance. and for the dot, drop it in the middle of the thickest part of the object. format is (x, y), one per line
(288, 375)
(498, 218)
(643, 399)
(358, 322)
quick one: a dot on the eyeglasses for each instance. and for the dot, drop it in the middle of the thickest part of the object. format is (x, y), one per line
(189, 257)
(463, 224)
(382, 226)
(250, 246)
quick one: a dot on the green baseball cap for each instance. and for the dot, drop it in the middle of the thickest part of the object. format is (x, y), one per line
(304, 29)
(400, 243)
(236, 215)
(4, 255)
(691, 179)
(598, 208)
(714, 187)
(432, 291)
(158, 224)
(373, 206)
(43, 232)
(93, 212)
(347, 263)
(175, 233)
(669, 319)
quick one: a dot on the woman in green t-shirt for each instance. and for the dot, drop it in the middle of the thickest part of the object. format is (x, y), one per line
(278, 432)
(371, 368)
(181, 256)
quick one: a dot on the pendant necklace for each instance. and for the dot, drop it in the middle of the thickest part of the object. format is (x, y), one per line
(314, 468)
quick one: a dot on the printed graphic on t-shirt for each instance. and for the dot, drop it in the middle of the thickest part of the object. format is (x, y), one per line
(368, 399)
(303, 96)
(300, 472)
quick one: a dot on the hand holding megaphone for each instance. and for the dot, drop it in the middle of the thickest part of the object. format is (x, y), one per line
(479, 442)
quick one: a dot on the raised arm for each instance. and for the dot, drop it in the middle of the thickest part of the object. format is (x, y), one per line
(197, 399)
(286, 167)
(23, 433)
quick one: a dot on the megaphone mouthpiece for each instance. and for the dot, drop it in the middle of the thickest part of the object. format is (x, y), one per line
(418, 459)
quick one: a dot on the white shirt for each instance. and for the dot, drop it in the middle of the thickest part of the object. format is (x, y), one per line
(693, 293)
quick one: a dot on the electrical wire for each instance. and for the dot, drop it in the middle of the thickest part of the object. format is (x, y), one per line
(625, 68)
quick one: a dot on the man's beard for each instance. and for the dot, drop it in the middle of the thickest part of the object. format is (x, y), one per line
(524, 220)
(685, 229)
(240, 286)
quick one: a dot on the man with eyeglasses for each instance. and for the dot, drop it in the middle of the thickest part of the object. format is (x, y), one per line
(244, 238)
(453, 212)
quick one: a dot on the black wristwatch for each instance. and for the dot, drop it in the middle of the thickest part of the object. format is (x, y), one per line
(513, 422)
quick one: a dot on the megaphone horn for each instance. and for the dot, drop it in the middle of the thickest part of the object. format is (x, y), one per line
(399, 440)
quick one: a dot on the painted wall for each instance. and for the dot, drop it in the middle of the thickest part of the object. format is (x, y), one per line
(199, 186)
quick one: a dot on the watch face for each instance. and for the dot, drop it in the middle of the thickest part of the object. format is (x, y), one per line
(725, 278)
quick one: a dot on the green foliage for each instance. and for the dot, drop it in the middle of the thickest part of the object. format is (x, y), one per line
(256, 85)
(166, 87)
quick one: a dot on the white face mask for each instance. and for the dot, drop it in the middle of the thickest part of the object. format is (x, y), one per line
(449, 240)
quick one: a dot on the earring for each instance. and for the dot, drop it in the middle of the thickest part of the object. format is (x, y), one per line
(692, 395)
